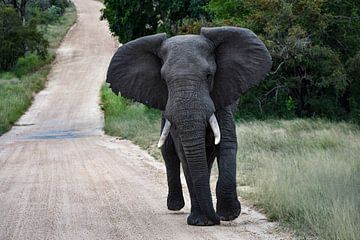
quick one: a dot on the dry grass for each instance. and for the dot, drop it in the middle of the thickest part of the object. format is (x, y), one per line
(305, 173)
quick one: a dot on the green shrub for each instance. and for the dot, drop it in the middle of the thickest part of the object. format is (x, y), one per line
(11, 40)
(28, 64)
(17, 39)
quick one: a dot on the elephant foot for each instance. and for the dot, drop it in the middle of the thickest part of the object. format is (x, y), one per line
(228, 209)
(175, 201)
(198, 219)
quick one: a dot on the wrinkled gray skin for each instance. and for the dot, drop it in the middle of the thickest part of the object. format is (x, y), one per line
(190, 77)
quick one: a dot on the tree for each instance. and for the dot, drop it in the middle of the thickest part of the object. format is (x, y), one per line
(16, 39)
(130, 19)
(20, 6)
(133, 19)
(311, 42)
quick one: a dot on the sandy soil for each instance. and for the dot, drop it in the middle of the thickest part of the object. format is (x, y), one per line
(62, 178)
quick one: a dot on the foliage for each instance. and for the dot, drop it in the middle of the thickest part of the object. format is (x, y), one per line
(17, 39)
(228, 12)
(28, 64)
(20, 35)
(132, 19)
(313, 44)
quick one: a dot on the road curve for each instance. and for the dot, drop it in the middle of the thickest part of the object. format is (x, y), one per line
(62, 178)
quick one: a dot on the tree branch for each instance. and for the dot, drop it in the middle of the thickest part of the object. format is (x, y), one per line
(278, 68)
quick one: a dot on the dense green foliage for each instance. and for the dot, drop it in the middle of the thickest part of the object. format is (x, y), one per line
(315, 45)
(17, 39)
(133, 19)
(312, 44)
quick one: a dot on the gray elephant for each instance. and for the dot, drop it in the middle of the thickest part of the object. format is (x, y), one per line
(195, 80)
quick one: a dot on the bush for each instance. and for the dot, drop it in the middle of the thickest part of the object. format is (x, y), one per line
(28, 64)
(132, 19)
(17, 39)
(313, 45)
(11, 40)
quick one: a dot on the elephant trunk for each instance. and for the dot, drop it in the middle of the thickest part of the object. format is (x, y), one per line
(192, 136)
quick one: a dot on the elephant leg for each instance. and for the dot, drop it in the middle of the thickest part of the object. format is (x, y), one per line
(175, 199)
(196, 216)
(228, 206)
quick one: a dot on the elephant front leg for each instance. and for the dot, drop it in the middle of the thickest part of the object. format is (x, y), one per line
(175, 199)
(197, 216)
(228, 206)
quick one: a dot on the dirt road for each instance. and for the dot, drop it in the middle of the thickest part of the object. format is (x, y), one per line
(61, 178)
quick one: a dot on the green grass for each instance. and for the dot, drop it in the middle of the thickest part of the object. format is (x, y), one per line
(132, 121)
(56, 32)
(303, 173)
(17, 88)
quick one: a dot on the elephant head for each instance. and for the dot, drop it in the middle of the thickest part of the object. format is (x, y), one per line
(189, 77)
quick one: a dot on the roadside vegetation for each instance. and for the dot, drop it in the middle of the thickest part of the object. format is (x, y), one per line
(133, 121)
(303, 172)
(24, 68)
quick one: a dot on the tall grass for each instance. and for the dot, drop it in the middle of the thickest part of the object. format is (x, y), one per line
(16, 95)
(303, 173)
(55, 32)
(132, 121)
(29, 75)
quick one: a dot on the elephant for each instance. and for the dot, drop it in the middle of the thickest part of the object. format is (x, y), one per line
(196, 81)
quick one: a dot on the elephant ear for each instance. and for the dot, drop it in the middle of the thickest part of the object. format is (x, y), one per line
(242, 61)
(134, 71)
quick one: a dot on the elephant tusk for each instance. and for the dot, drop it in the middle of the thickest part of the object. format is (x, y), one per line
(216, 129)
(164, 134)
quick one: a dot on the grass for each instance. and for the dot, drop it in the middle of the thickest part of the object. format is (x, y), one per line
(55, 32)
(132, 121)
(303, 173)
(18, 87)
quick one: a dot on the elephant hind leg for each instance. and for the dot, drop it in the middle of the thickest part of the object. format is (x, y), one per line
(175, 199)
